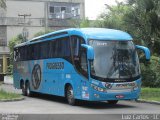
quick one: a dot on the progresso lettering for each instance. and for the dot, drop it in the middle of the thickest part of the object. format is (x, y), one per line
(55, 65)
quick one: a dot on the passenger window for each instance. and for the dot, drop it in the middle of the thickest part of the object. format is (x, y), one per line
(79, 55)
(83, 61)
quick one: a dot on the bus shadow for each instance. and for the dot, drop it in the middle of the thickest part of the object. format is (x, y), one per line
(103, 105)
(82, 104)
(50, 98)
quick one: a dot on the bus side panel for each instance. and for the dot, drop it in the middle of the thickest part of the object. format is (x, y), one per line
(21, 72)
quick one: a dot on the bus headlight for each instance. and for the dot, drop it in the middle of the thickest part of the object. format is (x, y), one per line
(98, 88)
(137, 86)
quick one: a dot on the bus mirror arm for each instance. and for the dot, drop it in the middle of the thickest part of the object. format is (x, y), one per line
(146, 51)
(90, 51)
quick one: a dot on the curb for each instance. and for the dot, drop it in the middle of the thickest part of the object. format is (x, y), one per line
(12, 100)
(146, 101)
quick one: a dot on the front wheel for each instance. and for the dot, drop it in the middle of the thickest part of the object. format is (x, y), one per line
(70, 96)
(113, 101)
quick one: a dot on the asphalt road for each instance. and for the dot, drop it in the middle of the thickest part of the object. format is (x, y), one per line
(45, 104)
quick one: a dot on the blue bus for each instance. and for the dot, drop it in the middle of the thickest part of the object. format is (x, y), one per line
(93, 64)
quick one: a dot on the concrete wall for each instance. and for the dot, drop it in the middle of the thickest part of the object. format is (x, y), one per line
(12, 31)
(36, 9)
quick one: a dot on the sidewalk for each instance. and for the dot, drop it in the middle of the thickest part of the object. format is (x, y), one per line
(9, 88)
(8, 80)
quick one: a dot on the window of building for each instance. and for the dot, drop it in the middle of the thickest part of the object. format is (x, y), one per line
(63, 9)
(51, 9)
(57, 9)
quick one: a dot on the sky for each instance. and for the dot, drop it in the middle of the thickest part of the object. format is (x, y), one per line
(94, 7)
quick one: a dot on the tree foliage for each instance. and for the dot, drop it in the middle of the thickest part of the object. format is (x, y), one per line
(3, 4)
(140, 18)
(42, 32)
(85, 23)
(14, 41)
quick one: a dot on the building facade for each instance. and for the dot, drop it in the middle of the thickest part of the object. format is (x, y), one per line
(28, 17)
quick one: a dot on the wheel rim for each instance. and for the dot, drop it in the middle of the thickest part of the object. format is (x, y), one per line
(28, 90)
(23, 89)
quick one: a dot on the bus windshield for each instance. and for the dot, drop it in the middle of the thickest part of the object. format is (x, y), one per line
(116, 60)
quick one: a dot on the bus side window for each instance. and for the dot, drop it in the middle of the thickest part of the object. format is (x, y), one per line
(79, 55)
(16, 54)
(83, 61)
(60, 48)
(30, 52)
(44, 50)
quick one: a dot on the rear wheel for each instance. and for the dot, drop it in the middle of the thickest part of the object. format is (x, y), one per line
(112, 101)
(23, 88)
(27, 87)
(70, 95)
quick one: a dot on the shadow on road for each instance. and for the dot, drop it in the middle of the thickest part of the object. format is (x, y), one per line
(83, 104)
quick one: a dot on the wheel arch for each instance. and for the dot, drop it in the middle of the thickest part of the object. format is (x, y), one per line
(27, 81)
(65, 88)
(21, 83)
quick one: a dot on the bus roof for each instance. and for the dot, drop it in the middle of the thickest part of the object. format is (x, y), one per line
(87, 33)
(105, 34)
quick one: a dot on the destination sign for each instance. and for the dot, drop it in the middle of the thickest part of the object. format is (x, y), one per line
(55, 65)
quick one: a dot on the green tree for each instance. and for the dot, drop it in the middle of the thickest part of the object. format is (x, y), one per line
(42, 32)
(3, 4)
(113, 16)
(143, 22)
(85, 23)
(140, 18)
(14, 41)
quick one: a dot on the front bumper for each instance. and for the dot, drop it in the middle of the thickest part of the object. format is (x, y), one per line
(104, 96)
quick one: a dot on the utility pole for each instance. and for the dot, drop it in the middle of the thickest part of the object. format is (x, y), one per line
(46, 16)
(25, 30)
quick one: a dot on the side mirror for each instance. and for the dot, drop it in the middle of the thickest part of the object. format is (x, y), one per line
(145, 50)
(90, 51)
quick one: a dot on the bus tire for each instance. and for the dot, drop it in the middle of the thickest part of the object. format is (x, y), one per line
(28, 91)
(23, 88)
(70, 95)
(113, 102)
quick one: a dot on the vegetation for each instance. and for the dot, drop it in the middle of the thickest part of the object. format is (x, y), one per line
(85, 23)
(3, 4)
(42, 32)
(8, 96)
(151, 73)
(150, 94)
(14, 41)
